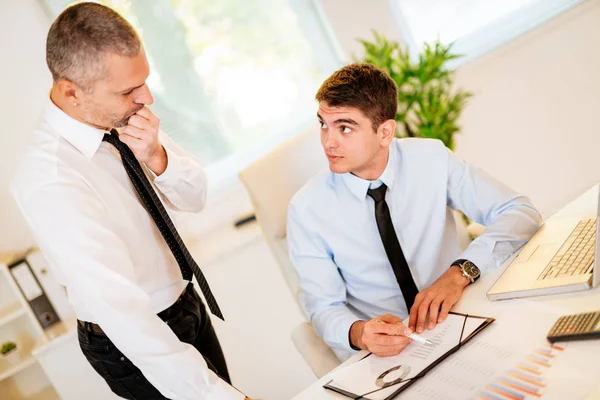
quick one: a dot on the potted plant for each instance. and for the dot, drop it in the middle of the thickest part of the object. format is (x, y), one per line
(10, 352)
(429, 105)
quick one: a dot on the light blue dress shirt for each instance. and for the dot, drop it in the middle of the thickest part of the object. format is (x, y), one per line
(336, 249)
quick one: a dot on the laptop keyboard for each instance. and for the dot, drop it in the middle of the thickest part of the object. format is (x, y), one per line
(576, 255)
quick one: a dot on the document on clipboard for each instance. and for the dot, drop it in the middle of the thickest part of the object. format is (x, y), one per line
(377, 378)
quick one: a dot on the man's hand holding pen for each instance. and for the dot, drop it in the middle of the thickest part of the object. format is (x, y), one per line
(383, 336)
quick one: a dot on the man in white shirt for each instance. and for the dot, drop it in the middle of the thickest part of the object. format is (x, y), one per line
(94, 201)
(374, 240)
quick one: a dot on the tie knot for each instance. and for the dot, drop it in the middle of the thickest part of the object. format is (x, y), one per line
(378, 194)
(112, 137)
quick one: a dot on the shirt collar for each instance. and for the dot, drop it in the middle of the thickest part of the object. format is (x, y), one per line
(359, 186)
(83, 137)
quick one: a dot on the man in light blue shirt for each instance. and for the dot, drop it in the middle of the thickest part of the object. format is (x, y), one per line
(362, 258)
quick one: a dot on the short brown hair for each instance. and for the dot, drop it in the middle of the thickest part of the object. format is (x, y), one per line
(363, 86)
(80, 36)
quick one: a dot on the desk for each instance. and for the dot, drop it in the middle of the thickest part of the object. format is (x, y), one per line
(474, 300)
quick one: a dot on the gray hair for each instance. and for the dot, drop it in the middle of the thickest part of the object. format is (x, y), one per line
(79, 38)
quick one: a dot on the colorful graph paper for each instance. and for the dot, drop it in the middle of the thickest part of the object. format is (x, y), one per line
(525, 380)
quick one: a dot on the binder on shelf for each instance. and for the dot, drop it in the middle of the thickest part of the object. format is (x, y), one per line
(56, 293)
(34, 294)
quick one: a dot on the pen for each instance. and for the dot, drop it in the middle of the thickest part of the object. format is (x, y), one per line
(420, 339)
(415, 336)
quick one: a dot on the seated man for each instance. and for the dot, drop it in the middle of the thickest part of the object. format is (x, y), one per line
(375, 238)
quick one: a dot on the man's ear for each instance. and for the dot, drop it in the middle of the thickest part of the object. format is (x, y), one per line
(387, 131)
(69, 91)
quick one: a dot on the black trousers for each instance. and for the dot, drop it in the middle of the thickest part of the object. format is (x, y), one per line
(187, 318)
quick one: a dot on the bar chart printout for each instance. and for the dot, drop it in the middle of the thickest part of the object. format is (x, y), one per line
(527, 379)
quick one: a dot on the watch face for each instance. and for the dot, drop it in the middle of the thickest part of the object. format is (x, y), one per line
(470, 269)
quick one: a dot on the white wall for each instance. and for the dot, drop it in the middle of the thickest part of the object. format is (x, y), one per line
(24, 86)
(532, 123)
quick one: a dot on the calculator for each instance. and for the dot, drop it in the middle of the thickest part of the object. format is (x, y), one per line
(576, 327)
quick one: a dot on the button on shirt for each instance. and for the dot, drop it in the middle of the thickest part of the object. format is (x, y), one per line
(105, 248)
(335, 246)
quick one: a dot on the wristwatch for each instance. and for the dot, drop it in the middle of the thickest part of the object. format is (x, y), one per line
(468, 269)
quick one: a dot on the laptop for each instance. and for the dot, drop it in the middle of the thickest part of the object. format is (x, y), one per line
(559, 258)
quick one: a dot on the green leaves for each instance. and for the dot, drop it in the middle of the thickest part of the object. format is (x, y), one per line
(427, 104)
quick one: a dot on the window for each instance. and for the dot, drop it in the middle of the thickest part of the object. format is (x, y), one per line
(475, 26)
(231, 79)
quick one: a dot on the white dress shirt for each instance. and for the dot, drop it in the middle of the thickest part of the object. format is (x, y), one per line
(335, 246)
(105, 248)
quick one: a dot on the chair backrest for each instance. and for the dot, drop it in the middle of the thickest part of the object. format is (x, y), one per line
(271, 183)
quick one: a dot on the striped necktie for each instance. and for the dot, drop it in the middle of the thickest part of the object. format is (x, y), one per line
(162, 220)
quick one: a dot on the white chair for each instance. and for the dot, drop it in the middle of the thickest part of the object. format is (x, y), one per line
(271, 183)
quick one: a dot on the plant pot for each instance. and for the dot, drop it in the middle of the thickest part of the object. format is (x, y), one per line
(13, 356)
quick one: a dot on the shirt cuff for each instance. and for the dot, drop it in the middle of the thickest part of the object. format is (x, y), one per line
(168, 179)
(478, 256)
(171, 174)
(221, 390)
(343, 332)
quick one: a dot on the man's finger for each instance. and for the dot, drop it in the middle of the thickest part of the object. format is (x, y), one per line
(397, 329)
(434, 310)
(144, 112)
(148, 114)
(386, 351)
(129, 140)
(139, 122)
(134, 132)
(390, 319)
(446, 306)
(389, 340)
(414, 312)
(423, 308)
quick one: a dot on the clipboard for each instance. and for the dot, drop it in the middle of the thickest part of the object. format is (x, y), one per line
(404, 384)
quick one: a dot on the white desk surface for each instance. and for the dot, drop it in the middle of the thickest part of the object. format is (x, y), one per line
(475, 302)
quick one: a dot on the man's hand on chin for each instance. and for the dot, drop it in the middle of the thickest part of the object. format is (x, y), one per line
(437, 300)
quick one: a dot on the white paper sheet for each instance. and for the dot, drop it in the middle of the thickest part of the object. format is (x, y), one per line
(383, 376)
(509, 355)
(499, 360)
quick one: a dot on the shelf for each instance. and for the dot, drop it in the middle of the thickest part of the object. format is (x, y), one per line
(11, 313)
(9, 371)
(55, 335)
(46, 394)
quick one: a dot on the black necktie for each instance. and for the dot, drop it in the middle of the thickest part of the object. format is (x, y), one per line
(392, 246)
(162, 220)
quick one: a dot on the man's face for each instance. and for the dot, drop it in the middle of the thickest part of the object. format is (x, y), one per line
(350, 143)
(120, 93)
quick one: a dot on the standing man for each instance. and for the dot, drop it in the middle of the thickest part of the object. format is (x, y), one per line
(374, 240)
(95, 188)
